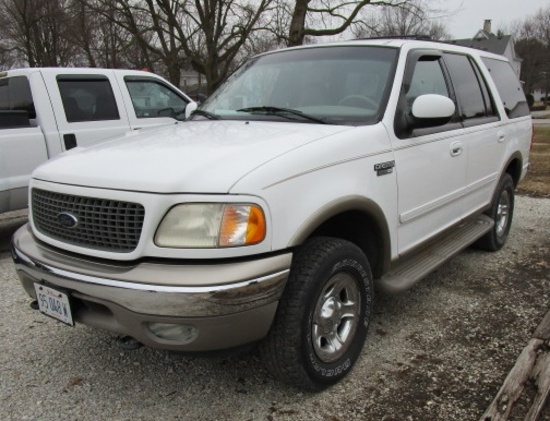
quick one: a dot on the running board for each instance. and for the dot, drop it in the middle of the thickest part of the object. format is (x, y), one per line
(414, 268)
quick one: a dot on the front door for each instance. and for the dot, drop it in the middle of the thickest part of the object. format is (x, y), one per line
(430, 163)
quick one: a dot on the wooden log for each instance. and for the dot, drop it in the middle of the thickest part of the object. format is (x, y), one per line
(532, 365)
(541, 373)
(543, 330)
(509, 393)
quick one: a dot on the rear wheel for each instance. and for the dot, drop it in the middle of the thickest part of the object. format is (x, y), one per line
(501, 211)
(323, 316)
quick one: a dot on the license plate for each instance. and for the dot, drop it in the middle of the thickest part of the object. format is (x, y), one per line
(54, 303)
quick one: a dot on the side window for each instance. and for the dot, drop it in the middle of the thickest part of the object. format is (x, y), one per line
(508, 87)
(425, 74)
(151, 98)
(15, 95)
(4, 94)
(468, 87)
(87, 98)
(427, 78)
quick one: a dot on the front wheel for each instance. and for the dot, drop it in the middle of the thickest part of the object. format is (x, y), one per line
(323, 316)
(502, 211)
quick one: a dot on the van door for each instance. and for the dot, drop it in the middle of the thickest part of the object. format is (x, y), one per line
(430, 163)
(89, 107)
(154, 102)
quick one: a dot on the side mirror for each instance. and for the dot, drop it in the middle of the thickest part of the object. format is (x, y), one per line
(192, 106)
(432, 110)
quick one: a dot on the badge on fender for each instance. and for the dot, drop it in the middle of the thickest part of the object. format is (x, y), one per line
(384, 168)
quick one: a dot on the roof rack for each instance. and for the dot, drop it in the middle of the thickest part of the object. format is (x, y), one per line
(419, 37)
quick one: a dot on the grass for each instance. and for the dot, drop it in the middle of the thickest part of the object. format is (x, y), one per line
(537, 181)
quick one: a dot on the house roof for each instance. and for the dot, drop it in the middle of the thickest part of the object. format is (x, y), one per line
(487, 42)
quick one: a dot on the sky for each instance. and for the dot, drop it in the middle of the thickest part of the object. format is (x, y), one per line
(470, 14)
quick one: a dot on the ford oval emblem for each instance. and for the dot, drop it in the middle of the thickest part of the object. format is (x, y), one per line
(67, 220)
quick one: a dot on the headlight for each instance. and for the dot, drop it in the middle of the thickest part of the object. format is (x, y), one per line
(208, 225)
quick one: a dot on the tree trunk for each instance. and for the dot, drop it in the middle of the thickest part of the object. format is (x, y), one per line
(296, 32)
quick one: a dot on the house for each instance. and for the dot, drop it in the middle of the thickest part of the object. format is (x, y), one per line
(189, 79)
(485, 40)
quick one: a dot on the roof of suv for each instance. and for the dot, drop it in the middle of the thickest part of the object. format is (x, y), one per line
(400, 42)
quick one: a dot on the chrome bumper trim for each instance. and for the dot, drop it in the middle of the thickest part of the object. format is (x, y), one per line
(138, 286)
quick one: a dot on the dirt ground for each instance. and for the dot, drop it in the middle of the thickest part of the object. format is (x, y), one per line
(537, 182)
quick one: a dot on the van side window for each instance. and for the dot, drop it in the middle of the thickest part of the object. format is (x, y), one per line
(151, 98)
(473, 100)
(425, 74)
(87, 98)
(427, 78)
(508, 87)
(15, 95)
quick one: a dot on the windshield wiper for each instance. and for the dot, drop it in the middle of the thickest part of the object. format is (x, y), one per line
(280, 110)
(207, 114)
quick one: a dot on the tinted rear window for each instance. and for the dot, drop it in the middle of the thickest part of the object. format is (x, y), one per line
(15, 95)
(508, 87)
(87, 98)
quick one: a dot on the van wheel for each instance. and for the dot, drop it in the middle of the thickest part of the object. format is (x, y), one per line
(323, 316)
(501, 211)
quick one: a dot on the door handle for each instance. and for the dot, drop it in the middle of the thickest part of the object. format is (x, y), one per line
(70, 141)
(456, 148)
(501, 137)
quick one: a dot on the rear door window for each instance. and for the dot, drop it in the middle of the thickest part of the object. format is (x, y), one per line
(475, 104)
(508, 87)
(87, 98)
(15, 95)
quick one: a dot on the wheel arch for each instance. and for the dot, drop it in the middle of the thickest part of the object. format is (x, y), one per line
(514, 167)
(355, 219)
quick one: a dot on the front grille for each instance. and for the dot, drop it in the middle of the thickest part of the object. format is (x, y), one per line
(100, 224)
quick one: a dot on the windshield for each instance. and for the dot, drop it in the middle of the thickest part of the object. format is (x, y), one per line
(338, 85)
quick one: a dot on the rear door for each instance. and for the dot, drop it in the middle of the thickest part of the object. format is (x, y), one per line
(483, 134)
(89, 106)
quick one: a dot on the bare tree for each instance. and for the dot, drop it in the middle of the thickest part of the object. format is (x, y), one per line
(7, 56)
(207, 35)
(299, 21)
(100, 42)
(38, 31)
(216, 33)
(533, 45)
(412, 18)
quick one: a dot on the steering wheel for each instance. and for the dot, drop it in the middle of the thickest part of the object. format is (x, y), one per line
(370, 103)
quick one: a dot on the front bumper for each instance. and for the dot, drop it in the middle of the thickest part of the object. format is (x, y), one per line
(228, 304)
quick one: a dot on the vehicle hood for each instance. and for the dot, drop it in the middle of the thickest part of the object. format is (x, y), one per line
(190, 157)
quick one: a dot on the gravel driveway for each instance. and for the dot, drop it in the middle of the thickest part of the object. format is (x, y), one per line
(437, 352)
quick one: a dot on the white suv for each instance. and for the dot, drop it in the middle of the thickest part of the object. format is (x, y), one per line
(311, 175)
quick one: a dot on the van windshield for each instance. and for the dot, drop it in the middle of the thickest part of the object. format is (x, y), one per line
(331, 84)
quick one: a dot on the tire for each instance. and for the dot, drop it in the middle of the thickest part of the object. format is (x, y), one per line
(328, 296)
(502, 212)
